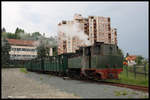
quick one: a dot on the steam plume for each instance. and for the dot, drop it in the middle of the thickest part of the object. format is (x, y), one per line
(74, 30)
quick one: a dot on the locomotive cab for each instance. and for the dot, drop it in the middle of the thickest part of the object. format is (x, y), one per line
(102, 61)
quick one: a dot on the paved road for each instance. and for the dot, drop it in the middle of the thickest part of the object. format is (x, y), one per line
(44, 85)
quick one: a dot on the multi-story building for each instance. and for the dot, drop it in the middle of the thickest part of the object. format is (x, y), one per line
(97, 28)
(114, 36)
(23, 49)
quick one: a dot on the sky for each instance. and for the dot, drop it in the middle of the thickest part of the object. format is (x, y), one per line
(130, 19)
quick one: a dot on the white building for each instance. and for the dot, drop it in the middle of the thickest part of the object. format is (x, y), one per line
(23, 49)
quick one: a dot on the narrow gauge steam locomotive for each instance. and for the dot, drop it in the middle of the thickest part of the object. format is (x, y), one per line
(100, 61)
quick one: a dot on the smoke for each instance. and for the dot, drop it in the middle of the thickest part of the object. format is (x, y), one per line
(39, 40)
(74, 30)
(49, 42)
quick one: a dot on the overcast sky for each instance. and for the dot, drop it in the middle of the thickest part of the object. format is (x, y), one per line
(130, 19)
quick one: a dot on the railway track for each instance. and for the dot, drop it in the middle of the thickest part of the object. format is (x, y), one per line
(135, 87)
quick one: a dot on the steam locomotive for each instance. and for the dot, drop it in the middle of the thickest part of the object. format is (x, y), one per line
(99, 61)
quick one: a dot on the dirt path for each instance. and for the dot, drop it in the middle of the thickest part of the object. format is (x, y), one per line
(16, 85)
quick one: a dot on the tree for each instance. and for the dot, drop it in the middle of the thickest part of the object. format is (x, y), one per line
(5, 51)
(3, 30)
(36, 35)
(139, 59)
(127, 54)
(10, 35)
(52, 42)
(55, 51)
(42, 49)
(120, 52)
(18, 33)
(145, 61)
(18, 30)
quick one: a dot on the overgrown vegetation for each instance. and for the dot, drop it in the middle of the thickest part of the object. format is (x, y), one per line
(24, 70)
(122, 92)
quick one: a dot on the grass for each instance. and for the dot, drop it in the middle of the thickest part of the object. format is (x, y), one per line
(41, 78)
(139, 69)
(23, 70)
(139, 80)
(122, 92)
(75, 95)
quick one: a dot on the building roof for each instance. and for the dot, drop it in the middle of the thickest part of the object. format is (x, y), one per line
(21, 42)
(131, 57)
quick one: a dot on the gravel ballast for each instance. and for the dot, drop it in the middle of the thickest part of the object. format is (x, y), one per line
(17, 84)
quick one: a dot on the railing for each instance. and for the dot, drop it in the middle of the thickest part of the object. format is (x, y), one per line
(142, 69)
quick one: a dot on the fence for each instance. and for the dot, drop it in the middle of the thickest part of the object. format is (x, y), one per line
(137, 70)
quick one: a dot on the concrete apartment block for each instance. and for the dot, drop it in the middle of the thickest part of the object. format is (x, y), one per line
(114, 36)
(97, 28)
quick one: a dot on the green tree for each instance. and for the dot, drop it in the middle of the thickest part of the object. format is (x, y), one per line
(3, 30)
(5, 51)
(145, 61)
(19, 30)
(18, 33)
(42, 49)
(127, 54)
(10, 35)
(36, 35)
(139, 59)
(120, 52)
(55, 51)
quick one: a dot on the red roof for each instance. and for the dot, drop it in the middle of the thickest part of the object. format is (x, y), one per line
(21, 42)
(131, 57)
